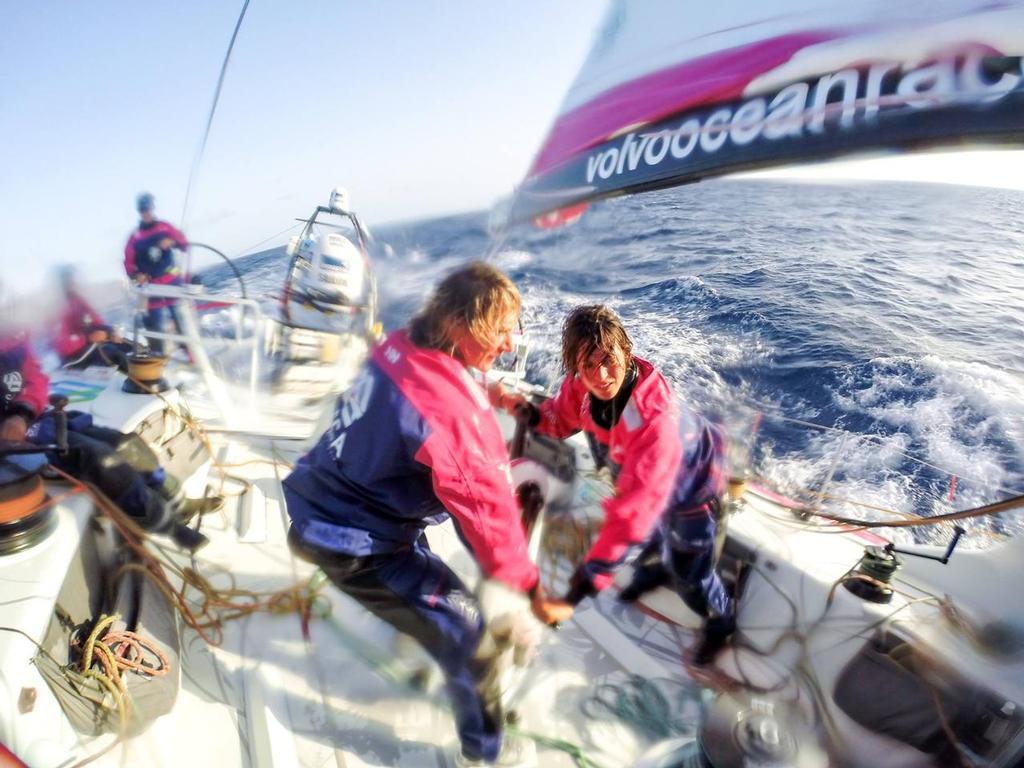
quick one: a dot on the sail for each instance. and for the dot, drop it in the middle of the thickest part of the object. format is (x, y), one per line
(675, 92)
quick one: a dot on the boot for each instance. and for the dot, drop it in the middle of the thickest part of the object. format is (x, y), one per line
(646, 578)
(714, 636)
(516, 752)
(189, 508)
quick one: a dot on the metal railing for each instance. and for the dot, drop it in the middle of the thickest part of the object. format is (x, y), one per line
(189, 334)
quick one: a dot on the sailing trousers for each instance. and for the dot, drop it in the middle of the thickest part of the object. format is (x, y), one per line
(682, 552)
(155, 319)
(104, 354)
(97, 455)
(416, 593)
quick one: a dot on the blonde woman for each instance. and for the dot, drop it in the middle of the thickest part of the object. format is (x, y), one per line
(413, 441)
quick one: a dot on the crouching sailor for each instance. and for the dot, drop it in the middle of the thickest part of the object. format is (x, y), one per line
(669, 470)
(413, 441)
(82, 339)
(23, 386)
(93, 453)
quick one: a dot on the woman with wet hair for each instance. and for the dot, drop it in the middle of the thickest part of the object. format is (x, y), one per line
(668, 465)
(414, 441)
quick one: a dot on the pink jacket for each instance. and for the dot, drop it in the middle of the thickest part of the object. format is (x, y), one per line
(413, 441)
(643, 452)
(77, 319)
(24, 388)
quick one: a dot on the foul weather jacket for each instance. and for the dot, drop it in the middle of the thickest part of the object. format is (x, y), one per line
(413, 441)
(143, 255)
(24, 388)
(76, 322)
(663, 462)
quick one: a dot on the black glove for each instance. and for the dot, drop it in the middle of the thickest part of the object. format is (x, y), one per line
(188, 538)
(529, 413)
(580, 586)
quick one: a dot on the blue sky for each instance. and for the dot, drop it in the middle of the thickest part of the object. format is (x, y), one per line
(418, 108)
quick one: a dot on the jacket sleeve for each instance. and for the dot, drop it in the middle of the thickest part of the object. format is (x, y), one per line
(129, 257)
(560, 416)
(641, 493)
(68, 338)
(176, 235)
(479, 496)
(87, 311)
(77, 318)
(36, 389)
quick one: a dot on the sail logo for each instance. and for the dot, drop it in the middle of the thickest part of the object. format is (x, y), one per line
(805, 110)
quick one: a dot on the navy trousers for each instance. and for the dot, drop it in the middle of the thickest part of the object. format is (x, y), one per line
(155, 319)
(97, 455)
(681, 552)
(416, 593)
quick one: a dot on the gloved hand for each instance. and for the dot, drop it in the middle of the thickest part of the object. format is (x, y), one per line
(188, 538)
(580, 586)
(549, 610)
(528, 412)
(514, 403)
(508, 620)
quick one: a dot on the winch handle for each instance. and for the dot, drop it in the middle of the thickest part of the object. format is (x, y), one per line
(60, 422)
(957, 533)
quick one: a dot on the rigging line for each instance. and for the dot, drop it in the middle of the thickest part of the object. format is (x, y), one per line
(245, 251)
(213, 109)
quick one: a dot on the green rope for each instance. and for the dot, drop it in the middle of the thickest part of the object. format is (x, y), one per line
(640, 704)
(573, 750)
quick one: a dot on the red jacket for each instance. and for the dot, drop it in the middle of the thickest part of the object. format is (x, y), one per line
(24, 388)
(412, 441)
(643, 451)
(143, 255)
(77, 319)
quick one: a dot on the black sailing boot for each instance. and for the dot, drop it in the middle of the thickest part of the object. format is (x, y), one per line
(713, 637)
(646, 578)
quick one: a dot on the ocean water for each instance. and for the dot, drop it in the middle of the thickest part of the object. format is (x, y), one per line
(862, 342)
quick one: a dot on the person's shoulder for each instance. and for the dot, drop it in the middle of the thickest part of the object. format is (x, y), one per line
(652, 394)
(16, 342)
(435, 377)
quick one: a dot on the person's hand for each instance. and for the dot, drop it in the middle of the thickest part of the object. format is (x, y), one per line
(14, 428)
(502, 398)
(580, 586)
(549, 610)
(116, 337)
(509, 623)
(140, 278)
(166, 243)
(552, 611)
(512, 402)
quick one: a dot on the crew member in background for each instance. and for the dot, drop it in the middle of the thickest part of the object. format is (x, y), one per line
(668, 468)
(92, 452)
(413, 441)
(23, 386)
(149, 258)
(82, 339)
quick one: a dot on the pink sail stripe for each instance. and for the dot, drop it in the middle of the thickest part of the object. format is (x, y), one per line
(716, 77)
